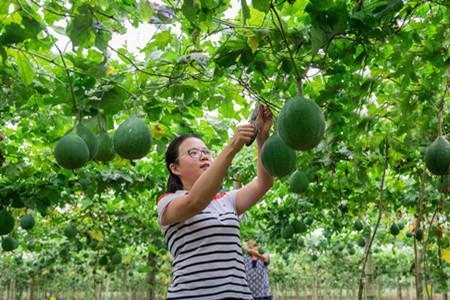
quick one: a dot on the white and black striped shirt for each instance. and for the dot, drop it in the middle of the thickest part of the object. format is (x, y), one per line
(208, 262)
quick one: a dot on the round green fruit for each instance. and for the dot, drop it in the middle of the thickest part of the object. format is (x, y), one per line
(105, 151)
(103, 261)
(71, 152)
(89, 138)
(277, 158)
(9, 243)
(309, 221)
(358, 225)
(299, 226)
(132, 139)
(409, 234)
(70, 231)
(361, 242)
(419, 234)
(394, 230)
(401, 225)
(287, 232)
(437, 156)
(6, 222)
(301, 123)
(27, 222)
(351, 250)
(298, 183)
(116, 258)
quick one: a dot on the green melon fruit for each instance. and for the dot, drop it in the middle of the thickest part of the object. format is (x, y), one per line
(277, 158)
(358, 225)
(70, 231)
(116, 258)
(132, 139)
(299, 226)
(401, 225)
(351, 250)
(89, 138)
(6, 222)
(437, 156)
(287, 232)
(394, 229)
(309, 221)
(314, 257)
(298, 183)
(409, 234)
(71, 152)
(301, 123)
(105, 151)
(419, 234)
(103, 261)
(361, 242)
(27, 222)
(9, 243)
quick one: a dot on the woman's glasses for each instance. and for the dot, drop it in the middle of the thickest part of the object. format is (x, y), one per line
(196, 153)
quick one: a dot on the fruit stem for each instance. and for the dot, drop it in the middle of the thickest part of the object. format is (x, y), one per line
(283, 35)
(69, 78)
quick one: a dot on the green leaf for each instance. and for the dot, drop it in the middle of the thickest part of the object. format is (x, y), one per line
(102, 37)
(245, 12)
(24, 67)
(189, 10)
(318, 38)
(80, 29)
(13, 33)
(113, 100)
(146, 9)
(3, 54)
(253, 43)
(262, 5)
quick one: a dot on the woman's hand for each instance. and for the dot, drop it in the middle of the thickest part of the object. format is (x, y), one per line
(242, 136)
(264, 122)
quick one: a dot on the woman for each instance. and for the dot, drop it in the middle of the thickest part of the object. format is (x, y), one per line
(257, 269)
(201, 227)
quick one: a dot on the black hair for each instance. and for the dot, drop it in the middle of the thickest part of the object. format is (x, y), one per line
(173, 181)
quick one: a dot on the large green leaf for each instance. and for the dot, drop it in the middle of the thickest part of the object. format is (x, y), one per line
(81, 28)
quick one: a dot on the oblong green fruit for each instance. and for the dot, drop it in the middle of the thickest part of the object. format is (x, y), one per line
(105, 151)
(70, 231)
(71, 152)
(419, 234)
(6, 222)
(358, 225)
(437, 156)
(89, 138)
(298, 182)
(301, 123)
(132, 139)
(394, 229)
(287, 232)
(27, 222)
(277, 158)
(9, 243)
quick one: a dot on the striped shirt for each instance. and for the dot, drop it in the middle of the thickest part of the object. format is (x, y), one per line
(208, 262)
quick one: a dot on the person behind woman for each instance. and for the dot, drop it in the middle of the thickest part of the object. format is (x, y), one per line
(200, 226)
(257, 269)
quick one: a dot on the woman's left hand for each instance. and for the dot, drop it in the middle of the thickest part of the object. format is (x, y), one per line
(264, 122)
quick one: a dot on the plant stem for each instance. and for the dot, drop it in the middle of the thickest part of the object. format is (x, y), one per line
(69, 78)
(380, 214)
(442, 103)
(298, 79)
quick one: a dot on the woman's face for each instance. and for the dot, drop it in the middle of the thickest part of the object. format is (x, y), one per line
(194, 159)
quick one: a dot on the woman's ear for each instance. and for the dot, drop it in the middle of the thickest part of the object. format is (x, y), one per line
(174, 169)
